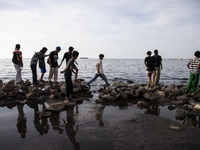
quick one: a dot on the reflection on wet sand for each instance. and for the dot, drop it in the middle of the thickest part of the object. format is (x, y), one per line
(99, 114)
(21, 121)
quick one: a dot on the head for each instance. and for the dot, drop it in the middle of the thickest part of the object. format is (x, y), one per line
(58, 48)
(101, 56)
(197, 54)
(43, 50)
(17, 47)
(156, 52)
(71, 49)
(75, 54)
(149, 53)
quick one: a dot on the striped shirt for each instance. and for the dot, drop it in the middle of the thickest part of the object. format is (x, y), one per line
(193, 64)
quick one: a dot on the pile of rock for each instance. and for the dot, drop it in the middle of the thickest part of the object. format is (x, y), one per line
(43, 92)
(175, 95)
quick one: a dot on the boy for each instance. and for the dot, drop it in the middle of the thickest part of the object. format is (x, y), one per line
(42, 65)
(68, 75)
(149, 63)
(194, 66)
(53, 57)
(99, 71)
(158, 67)
(34, 60)
(67, 55)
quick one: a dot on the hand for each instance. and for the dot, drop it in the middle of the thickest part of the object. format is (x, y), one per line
(62, 71)
(73, 81)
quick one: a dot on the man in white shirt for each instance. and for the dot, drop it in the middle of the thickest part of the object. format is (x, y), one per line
(99, 71)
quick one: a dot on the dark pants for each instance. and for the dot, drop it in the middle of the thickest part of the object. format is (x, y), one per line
(34, 72)
(69, 85)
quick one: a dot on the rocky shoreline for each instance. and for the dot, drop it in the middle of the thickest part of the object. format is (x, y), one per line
(174, 95)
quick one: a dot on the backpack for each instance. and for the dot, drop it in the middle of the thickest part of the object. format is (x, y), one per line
(14, 59)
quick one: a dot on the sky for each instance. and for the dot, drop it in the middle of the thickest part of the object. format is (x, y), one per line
(116, 28)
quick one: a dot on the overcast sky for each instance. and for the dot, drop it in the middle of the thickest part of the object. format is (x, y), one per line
(116, 28)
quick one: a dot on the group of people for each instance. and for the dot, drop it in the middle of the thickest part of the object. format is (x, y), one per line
(70, 56)
(153, 68)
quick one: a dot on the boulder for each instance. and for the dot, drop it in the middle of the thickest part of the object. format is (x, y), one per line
(108, 97)
(15, 92)
(142, 104)
(9, 86)
(180, 114)
(30, 96)
(63, 89)
(113, 93)
(2, 94)
(183, 98)
(149, 96)
(55, 93)
(43, 113)
(159, 94)
(177, 102)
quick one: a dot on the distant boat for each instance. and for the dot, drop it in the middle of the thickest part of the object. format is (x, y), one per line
(83, 57)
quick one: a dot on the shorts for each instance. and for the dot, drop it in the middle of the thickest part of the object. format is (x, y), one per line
(43, 69)
(150, 71)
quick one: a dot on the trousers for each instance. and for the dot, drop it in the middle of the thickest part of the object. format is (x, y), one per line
(99, 75)
(53, 72)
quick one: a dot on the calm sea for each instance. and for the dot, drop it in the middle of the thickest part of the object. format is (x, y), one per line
(21, 129)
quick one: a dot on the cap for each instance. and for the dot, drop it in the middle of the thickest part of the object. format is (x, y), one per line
(58, 48)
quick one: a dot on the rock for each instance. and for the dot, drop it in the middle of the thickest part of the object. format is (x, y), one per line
(2, 94)
(47, 90)
(197, 107)
(180, 114)
(58, 106)
(175, 127)
(159, 94)
(142, 104)
(27, 83)
(172, 86)
(15, 92)
(141, 90)
(63, 89)
(51, 97)
(9, 86)
(85, 88)
(171, 107)
(108, 97)
(183, 98)
(177, 102)
(76, 90)
(113, 93)
(55, 93)
(1, 82)
(43, 113)
(31, 96)
(99, 101)
(149, 96)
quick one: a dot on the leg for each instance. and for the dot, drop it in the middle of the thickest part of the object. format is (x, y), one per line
(69, 86)
(157, 75)
(34, 72)
(95, 77)
(51, 73)
(195, 83)
(18, 74)
(105, 79)
(189, 82)
(55, 74)
(149, 78)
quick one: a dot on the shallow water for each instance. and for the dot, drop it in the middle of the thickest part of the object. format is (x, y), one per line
(65, 130)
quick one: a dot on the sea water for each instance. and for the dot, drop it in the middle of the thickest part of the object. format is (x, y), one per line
(20, 128)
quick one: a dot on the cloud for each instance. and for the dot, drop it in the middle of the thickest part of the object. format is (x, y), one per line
(117, 28)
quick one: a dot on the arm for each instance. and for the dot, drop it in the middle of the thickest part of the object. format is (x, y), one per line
(75, 71)
(146, 64)
(61, 61)
(98, 67)
(161, 65)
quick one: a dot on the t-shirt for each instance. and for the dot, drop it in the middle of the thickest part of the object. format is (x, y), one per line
(42, 59)
(34, 59)
(18, 54)
(69, 64)
(194, 65)
(150, 63)
(158, 59)
(54, 56)
(99, 61)
(67, 56)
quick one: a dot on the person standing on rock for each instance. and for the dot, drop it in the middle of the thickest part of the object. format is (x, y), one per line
(158, 67)
(42, 63)
(149, 63)
(69, 69)
(33, 65)
(53, 63)
(18, 63)
(67, 55)
(99, 71)
(194, 66)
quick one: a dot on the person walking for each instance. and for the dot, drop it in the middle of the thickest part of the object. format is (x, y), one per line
(99, 71)
(67, 55)
(34, 60)
(53, 63)
(69, 69)
(158, 67)
(194, 66)
(42, 65)
(18, 63)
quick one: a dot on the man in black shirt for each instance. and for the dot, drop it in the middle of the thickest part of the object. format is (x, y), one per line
(53, 63)
(67, 55)
(158, 67)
